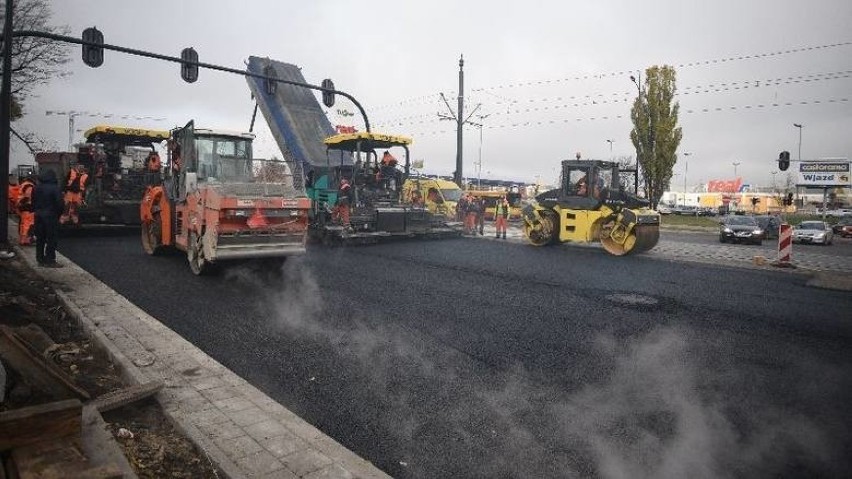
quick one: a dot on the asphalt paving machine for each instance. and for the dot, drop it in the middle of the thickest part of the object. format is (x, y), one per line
(591, 205)
(114, 159)
(216, 202)
(379, 210)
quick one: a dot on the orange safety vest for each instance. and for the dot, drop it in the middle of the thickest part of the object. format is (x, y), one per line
(154, 163)
(76, 182)
(25, 200)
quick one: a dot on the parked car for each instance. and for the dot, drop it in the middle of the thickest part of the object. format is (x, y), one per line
(843, 227)
(685, 210)
(816, 232)
(769, 224)
(664, 210)
(738, 229)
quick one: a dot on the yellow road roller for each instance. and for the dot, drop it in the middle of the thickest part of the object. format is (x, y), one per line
(591, 205)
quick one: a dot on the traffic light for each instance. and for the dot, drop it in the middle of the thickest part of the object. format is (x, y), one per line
(784, 160)
(328, 96)
(93, 55)
(789, 199)
(755, 200)
(189, 67)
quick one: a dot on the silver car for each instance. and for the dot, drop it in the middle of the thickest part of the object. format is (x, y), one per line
(816, 232)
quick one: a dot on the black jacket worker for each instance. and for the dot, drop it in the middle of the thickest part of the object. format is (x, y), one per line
(48, 206)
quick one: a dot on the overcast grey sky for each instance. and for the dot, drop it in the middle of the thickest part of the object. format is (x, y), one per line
(552, 76)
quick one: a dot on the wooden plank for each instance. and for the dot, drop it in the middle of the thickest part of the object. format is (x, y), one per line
(29, 425)
(125, 396)
(57, 459)
(39, 373)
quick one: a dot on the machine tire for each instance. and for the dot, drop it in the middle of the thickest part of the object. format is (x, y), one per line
(152, 236)
(721, 239)
(547, 234)
(195, 255)
(641, 239)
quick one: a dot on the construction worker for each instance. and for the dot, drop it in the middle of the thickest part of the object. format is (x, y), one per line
(387, 175)
(470, 215)
(75, 186)
(480, 214)
(344, 201)
(48, 206)
(13, 194)
(501, 215)
(152, 170)
(26, 217)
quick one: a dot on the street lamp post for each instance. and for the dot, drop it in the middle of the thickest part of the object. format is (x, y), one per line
(736, 164)
(799, 126)
(479, 161)
(685, 171)
(610, 148)
(636, 81)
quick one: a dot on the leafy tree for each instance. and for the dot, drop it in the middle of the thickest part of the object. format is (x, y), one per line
(656, 134)
(35, 61)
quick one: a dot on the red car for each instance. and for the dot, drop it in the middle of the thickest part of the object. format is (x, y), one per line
(843, 227)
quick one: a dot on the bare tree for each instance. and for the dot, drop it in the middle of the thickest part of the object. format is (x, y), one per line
(35, 61)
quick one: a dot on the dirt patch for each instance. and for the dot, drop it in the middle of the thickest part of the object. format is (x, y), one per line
(156, 449)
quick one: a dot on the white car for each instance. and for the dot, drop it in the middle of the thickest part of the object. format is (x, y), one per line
(664, 210)
(815, 232)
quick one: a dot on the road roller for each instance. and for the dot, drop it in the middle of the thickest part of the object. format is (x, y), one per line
(592, 205)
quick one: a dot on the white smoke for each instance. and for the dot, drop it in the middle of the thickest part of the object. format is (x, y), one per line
(652, 415)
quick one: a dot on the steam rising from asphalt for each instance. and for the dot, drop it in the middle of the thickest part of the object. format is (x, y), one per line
(653, 415)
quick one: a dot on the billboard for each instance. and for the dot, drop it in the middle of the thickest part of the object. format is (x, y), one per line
(725, 186)
(824, 173)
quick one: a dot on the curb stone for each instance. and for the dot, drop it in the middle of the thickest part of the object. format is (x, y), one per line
(243, 432)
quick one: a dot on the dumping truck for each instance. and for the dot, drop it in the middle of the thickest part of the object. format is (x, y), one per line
(217, 203)
(379, 207)
(114, 160)
(592, 205)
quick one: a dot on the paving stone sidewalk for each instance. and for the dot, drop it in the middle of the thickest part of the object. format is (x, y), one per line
(243, 431)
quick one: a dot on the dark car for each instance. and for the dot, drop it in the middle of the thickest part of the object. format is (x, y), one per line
(769, 224)
(740, 229)
(843, 227)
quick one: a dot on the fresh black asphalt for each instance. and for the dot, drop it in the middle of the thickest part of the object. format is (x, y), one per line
(465, 358)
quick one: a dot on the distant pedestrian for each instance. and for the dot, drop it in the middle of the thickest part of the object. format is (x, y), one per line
(501, 215)
(48, 205)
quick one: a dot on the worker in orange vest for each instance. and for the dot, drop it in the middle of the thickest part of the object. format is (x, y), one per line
(344, 202)
(13, 194)
(75, 187)
(501, 216)
(26, 216)
(154, 166)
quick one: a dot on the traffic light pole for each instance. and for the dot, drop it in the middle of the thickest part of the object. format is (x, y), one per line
(6, 94)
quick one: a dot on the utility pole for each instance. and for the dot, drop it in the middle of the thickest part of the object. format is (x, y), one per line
(460, 122)
(685, 171)
(460, 125)
(5, 123)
